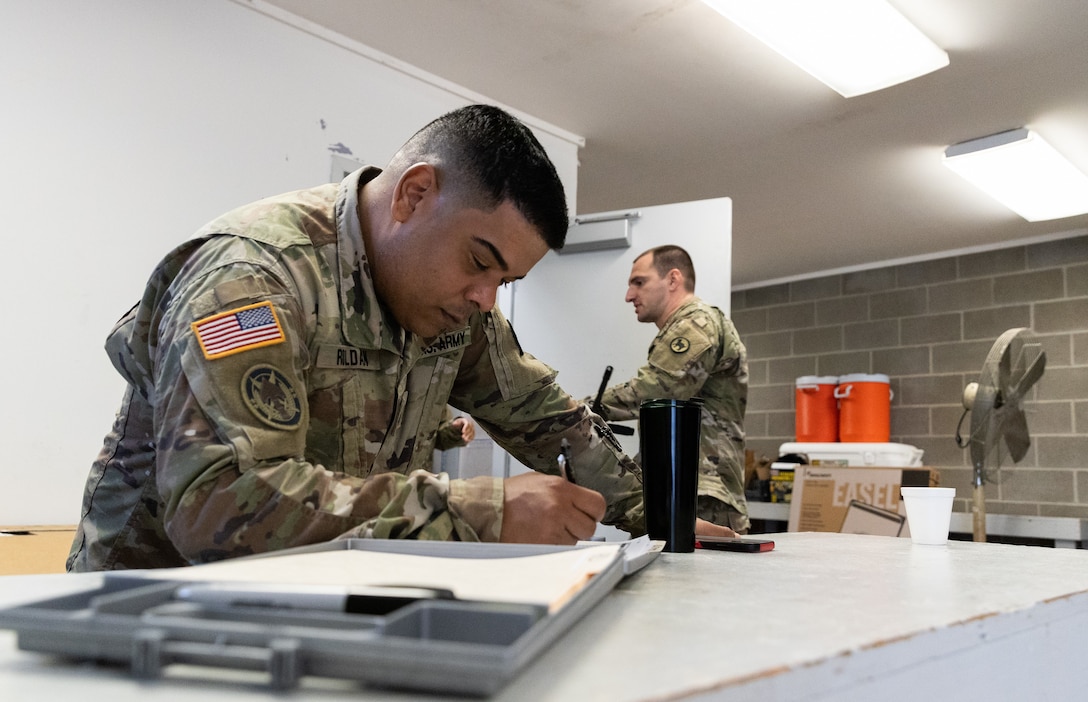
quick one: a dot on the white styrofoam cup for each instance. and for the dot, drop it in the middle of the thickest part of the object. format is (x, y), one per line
(929, 513)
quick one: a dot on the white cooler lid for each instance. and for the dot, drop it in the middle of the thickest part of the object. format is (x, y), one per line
(857, 453)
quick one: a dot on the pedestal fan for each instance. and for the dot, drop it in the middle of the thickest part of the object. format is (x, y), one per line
(1013, 365)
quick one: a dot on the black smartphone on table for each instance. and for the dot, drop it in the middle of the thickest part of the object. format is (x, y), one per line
(734, 543)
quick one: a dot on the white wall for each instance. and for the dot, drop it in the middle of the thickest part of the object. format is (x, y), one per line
(126, 125)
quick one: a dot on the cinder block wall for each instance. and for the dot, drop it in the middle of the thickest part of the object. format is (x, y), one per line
(929, 327)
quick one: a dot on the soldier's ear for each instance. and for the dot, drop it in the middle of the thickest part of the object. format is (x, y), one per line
(415, 184)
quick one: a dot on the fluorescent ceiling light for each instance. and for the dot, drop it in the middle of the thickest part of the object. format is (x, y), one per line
(854, 46)
(1023, 172)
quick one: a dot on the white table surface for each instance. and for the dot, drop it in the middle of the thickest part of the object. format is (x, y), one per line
(822, 617)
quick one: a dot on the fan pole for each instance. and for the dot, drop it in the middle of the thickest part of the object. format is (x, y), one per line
(979, 511)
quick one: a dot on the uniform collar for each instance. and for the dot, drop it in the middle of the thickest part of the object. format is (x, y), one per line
(680, 310)
(364, 322)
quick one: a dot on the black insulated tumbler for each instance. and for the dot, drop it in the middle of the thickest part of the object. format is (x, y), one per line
(669, 433)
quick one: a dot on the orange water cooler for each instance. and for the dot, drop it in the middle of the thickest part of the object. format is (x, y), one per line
(864, 407)
(817, 410)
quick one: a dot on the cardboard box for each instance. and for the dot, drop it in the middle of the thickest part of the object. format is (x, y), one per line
(854, 500)
(26, 550)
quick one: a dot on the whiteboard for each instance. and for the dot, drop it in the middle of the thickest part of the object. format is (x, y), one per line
(570, 312)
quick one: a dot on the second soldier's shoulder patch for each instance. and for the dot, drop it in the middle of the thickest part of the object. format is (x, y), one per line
(679, 345)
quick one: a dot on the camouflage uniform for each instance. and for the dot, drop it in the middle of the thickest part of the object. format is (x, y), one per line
(699, 354)
(272, 403)
(447, 436)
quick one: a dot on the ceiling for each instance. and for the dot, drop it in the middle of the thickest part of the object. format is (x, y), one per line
(675, 103)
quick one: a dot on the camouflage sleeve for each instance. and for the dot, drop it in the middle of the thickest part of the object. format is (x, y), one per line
(680, 362)
(233, 476)
(513, 397)
(449, 434)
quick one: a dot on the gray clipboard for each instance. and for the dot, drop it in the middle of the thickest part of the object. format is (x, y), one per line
(471, 647)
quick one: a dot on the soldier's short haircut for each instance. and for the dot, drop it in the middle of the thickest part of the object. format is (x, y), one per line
(485, 156)
(670, 256)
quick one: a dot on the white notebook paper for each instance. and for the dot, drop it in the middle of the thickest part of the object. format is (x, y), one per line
(549, 579)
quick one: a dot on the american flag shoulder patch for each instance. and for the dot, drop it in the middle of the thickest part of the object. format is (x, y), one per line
(241, 329)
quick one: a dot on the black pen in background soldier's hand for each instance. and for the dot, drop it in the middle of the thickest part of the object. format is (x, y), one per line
(599, 410)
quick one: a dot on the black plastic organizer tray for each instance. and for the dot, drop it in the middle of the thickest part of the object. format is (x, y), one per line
(470, 648)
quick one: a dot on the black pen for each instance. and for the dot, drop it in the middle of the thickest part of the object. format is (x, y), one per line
(564, 461)
(370, 599)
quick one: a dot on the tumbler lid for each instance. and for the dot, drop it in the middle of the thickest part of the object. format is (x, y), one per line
(669, 402)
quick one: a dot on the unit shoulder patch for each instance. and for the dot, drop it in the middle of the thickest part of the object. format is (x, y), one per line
(679, 345)
(271, 398)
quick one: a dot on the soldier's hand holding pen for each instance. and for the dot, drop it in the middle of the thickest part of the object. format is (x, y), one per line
(548, 509)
